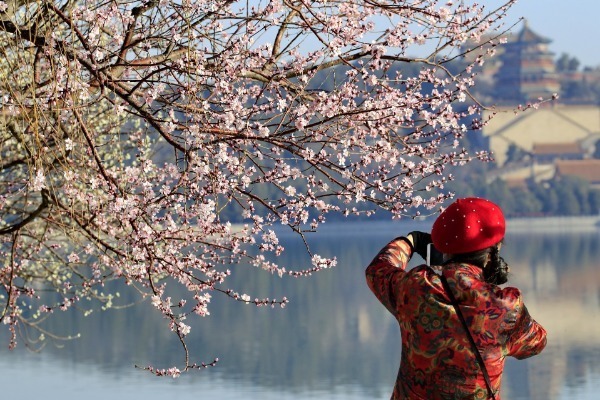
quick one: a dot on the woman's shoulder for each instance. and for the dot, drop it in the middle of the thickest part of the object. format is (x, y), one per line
(426, 277)
(508, 295)
(424, 271)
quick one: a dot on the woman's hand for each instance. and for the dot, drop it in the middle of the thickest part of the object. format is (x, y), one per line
(419, 241)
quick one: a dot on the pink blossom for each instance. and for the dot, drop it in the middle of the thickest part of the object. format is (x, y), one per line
(143, 133)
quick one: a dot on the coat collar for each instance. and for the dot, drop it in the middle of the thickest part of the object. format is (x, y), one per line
(454, 269)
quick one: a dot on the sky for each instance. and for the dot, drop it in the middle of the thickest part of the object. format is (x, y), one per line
(572, 25)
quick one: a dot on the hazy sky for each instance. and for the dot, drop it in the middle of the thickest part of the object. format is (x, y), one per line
(572, 25)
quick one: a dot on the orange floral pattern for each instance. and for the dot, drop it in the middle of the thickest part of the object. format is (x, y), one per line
(437, 359)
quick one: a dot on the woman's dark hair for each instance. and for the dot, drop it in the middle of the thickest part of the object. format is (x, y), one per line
(495, 271)
(478, 258)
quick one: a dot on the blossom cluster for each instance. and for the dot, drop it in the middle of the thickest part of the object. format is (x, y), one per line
(134, 135)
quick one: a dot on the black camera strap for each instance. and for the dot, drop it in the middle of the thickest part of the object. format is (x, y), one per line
(488, 383)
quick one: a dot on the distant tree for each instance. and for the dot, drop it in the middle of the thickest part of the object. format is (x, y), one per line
(566, 63)
(581, 189)
(525, 202)
(594, 88)
(550, 200)
(468, 181)
(596, 153)
(573, 64)
(515, 153)
(568, 201)
(577, 91)
(562, 63)
(499, 192)
(594, 200)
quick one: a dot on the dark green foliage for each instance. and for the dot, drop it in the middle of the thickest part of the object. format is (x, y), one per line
(515, 153)
(566, 63)
(559, 196)
(597, 149)
(567, 195)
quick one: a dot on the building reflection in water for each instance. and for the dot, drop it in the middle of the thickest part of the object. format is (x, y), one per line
(559, 274)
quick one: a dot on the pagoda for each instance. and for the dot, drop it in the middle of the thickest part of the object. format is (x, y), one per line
(527, 69)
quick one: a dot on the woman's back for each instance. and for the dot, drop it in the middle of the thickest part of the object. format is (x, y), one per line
(438, 361)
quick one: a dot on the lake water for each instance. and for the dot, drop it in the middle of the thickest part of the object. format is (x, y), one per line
(333, 341)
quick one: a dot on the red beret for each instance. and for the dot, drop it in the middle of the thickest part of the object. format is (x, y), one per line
(468, 225)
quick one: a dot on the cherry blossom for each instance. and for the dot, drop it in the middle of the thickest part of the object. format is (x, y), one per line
(159, 143)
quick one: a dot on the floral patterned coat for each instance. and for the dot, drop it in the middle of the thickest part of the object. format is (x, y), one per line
(437, 360)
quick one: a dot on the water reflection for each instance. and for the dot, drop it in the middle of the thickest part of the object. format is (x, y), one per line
(559, 274)
(334, 340)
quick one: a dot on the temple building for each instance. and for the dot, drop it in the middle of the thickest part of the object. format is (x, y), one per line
(560, 138)
(551, 141)
(527, 69)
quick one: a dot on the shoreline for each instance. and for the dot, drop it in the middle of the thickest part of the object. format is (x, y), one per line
(554, 224)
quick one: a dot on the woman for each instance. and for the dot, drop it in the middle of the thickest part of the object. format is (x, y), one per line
(440, 360)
